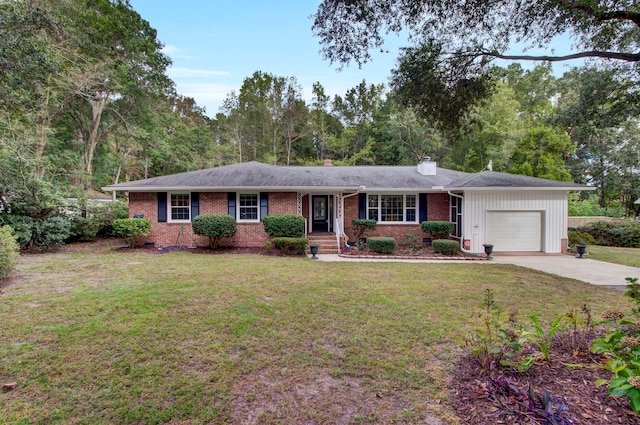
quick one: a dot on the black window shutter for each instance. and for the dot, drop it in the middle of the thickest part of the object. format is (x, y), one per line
(195, 204)
(264, 204)
(422, 204)
(162, 207)
(362, 205)
(231, 203)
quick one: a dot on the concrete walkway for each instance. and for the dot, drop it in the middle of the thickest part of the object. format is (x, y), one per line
(591, 271)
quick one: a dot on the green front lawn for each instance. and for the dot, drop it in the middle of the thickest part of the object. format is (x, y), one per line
(108, 337)
(625, 256)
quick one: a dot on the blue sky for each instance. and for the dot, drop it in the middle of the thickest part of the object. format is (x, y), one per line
(216, 44)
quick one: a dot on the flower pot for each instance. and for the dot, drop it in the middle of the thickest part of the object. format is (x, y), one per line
(488, 249)
(314, 251)
(581, 250)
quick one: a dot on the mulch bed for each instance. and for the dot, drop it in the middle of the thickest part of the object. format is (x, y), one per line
(574, 387)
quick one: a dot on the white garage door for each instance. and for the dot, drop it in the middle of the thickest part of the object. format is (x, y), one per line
(514, 230)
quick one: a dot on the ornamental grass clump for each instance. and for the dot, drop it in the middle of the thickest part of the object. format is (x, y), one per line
(215, 227)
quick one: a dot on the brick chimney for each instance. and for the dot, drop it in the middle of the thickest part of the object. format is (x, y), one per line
(427, 167)
(328, 163)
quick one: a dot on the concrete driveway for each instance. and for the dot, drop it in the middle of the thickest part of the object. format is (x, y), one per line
(587, 270)
(591, 271)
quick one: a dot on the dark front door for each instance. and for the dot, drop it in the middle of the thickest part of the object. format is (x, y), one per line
(320, 213)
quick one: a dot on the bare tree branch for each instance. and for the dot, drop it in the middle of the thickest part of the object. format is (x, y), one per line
(629, 57)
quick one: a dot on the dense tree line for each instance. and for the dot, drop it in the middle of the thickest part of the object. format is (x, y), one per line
(85, 101)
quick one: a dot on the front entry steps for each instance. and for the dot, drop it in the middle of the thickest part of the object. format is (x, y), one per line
(326, 241)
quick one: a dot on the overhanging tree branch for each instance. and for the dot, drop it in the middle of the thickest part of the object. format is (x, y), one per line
(629, 57)
(617, 15)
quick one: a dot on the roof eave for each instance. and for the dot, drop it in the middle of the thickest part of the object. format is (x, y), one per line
(232, 189)
(524, 188)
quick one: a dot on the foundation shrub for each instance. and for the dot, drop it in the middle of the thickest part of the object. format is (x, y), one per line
(296, 246)
(362, 226)
(437, 229)
(445, 247)
(132, 230)
(215, 227)
(284, 225)
(381, 244)
(8, 251)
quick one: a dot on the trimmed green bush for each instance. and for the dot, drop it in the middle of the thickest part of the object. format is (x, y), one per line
(94, 221)
(381, 244)
(445, 246)
(284, 225)
(362, 226)
(22, 226)
(297, 246)
(8, 251)
(51, 232)
(132, 230)
(579, 238)
(620, 233)
(215, 226)
(438, 229)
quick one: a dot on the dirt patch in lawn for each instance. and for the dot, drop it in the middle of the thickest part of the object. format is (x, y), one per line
(302, 397)
(477, 398)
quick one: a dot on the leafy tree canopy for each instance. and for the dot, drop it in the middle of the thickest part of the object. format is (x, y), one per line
(350, 29)
(447, 71)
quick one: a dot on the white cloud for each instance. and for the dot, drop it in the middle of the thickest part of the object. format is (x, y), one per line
(181, 72)
(209, 95)
(174, 52)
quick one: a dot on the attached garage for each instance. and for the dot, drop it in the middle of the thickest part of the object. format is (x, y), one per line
(514, 231)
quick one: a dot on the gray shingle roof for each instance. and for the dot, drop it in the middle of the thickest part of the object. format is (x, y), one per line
(492, 180)
(265, 177)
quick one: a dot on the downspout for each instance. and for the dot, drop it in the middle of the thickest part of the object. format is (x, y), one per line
(466, 251)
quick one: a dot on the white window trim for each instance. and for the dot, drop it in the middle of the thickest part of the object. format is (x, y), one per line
(238, 219)
(169, 219)
(404, 207)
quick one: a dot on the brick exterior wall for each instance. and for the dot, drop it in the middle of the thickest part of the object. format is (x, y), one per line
(437, 210)
(172, 234)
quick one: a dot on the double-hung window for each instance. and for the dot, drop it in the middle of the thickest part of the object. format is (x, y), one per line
(392, 208)
(180, 207)
(248, 204)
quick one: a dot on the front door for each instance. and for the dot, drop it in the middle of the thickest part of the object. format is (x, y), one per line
(320, 213)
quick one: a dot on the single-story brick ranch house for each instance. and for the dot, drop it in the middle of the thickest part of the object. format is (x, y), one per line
(514, 213)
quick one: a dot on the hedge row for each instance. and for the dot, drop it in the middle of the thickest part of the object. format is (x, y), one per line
(620, 233)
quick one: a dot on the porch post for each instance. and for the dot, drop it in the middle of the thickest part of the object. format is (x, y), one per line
(339, 220)
(300, 195)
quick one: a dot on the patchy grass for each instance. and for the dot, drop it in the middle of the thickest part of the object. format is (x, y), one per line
(109, 337)
(624, 256)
